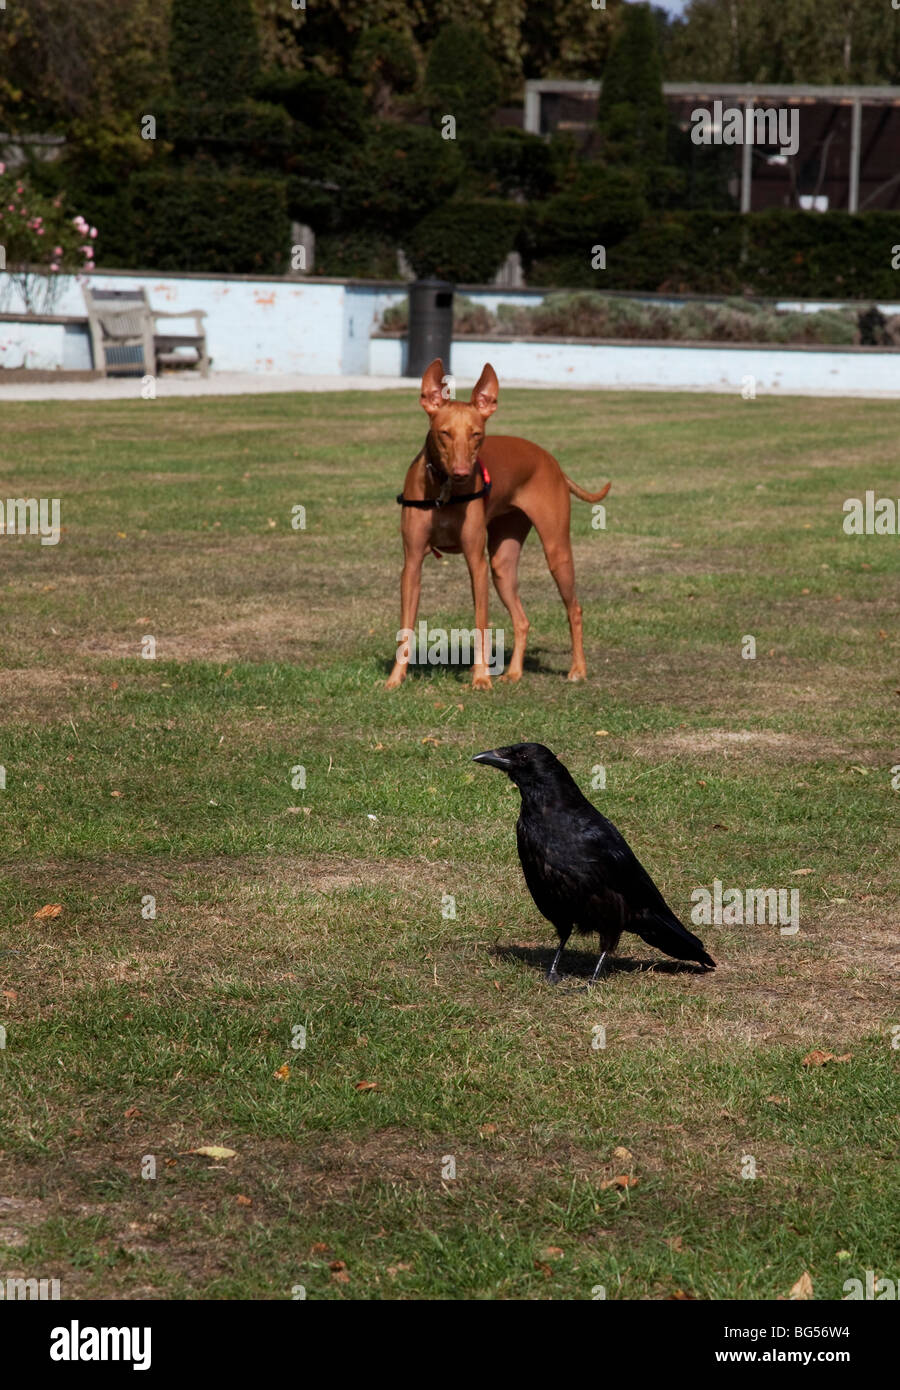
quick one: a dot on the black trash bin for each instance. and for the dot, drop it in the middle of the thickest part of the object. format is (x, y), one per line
(430, 324)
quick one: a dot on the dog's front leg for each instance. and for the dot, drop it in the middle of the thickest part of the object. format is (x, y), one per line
(473, 539)
(415, 546)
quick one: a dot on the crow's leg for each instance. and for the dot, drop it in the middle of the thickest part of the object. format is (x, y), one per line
(553, 977)
(597, 967)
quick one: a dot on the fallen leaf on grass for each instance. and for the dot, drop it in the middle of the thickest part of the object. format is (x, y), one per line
(366, 1086)
(243, 1201)
(214, 1151)
(623, 1180)
(339, 1272)
(47, 911)
(132, 1112)
(675, 1243)
(818, 1058)
(803, 1288)
(552, 1252)
(320, 1248)
(800, 873)
(623, 1155)
(778, 1100)
(680, 1296)
(544, 1268)
(394, 1270)
(282, 1073)
(487, 1129)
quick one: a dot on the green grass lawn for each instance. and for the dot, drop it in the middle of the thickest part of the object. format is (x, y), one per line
(131, 1035)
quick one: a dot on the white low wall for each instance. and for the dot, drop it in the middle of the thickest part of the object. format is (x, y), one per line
(665, 366)
(253, 325)
(37, 346)
(283, 327)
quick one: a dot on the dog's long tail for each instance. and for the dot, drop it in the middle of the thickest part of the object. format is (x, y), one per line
(586, 496)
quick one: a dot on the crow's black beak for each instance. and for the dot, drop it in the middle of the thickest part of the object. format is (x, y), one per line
(493, 759)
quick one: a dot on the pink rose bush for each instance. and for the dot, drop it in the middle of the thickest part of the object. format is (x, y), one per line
(40, 244)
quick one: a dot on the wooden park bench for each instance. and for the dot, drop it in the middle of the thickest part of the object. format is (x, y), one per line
(124, 337)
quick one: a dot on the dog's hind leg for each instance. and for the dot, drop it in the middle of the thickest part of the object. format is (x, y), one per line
(550, 514)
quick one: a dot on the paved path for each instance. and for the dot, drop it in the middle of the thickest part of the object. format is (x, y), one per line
(267, 383)
(191, 384)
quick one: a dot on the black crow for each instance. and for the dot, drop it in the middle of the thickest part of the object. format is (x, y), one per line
(579, 869)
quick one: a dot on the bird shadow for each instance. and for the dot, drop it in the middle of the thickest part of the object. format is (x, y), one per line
(579, 965)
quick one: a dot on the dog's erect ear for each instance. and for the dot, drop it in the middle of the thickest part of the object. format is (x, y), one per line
(487, 389)
(432, 396)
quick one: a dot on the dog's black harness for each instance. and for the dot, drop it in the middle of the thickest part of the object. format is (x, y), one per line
(429, 504)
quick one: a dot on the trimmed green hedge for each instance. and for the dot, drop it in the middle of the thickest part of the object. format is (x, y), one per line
(359, 255)
(600, 207)
(464, 241)
(514, 164)
(396, 177)
(224, 223)
(777, 253)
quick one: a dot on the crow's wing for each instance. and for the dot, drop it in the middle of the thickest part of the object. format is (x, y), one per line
(565, 867)
(650, 916)
(574, 857)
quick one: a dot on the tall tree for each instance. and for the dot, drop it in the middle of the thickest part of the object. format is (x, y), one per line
(62, 63)
(462, 80)
(632, 112)
(792, 41)
(213, 53)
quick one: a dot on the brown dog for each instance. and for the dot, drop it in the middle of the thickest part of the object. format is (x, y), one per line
(463, 489)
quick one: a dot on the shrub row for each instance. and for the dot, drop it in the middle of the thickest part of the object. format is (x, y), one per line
(777, 253)
(769, 254)
(591, 315)
(190, 219)
(217, 222)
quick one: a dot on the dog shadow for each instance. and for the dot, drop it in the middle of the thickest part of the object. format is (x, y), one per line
(580, 964)
(461, 670)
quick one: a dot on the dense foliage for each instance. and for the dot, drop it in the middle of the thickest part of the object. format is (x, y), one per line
(196, 130)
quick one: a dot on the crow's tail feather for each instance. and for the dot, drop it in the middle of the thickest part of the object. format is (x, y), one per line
(668, 935)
